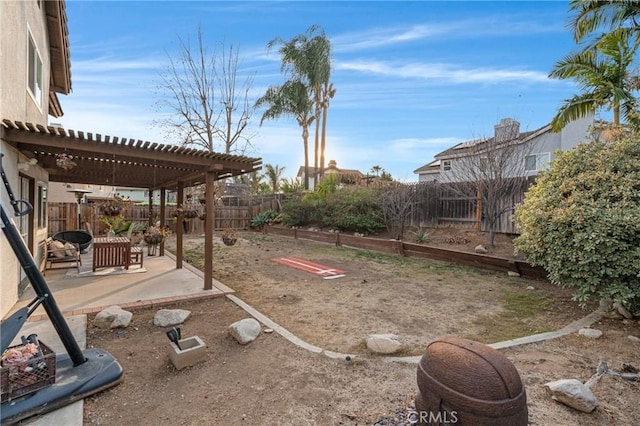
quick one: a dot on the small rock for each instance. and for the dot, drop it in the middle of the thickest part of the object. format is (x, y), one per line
(113, 317)
(634, 338)
(605, 305)
(573, 393)
(614, 314)
(169, 317)
(513, 274)
(268, 330)
(622, 311)
(590, 332)
(480, 249)
(530, 287)
(383, 343)
(245, 331)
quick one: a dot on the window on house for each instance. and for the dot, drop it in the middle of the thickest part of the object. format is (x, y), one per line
(35, 72)
(42, 206)
(536, 162)
(446, 165)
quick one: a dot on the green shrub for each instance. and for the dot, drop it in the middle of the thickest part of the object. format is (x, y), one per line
(581, 222)
(296, 212)
(263, 218)
(421, 236)
(353, 209)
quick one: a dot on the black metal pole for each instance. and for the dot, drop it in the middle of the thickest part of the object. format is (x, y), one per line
(36, 278)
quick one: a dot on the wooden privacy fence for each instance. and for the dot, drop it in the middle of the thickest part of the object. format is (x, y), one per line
(229, 214)
(441, 204)
(403, 248)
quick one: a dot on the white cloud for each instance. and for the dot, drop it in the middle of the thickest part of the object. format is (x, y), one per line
(444, 73)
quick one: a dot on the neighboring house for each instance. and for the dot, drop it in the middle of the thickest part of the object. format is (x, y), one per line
(537, 147)
(64, 192)
(35, 68)
(347, 176)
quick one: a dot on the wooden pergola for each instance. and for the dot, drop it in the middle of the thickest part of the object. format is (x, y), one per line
(122, 162)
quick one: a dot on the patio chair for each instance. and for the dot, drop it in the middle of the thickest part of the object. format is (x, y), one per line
(59, 252)
(137, 256)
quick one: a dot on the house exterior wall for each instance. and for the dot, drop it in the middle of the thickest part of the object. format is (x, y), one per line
(19, 19)
(546, 142)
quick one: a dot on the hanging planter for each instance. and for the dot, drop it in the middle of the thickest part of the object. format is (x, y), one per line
(190, 214)
(230, 236)
(65, 161)
(110, 210)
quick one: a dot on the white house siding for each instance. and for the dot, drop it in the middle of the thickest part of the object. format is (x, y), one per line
(18, 18)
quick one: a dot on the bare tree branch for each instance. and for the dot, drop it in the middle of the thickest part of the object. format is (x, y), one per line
(492, 170)
(208, 109)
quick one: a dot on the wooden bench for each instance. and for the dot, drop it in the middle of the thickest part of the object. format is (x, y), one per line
(58, 252)
(111, 252)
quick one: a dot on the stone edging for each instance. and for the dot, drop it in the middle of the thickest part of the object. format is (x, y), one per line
(568, 329)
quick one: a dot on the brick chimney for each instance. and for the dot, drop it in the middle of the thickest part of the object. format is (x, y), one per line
(507, 130)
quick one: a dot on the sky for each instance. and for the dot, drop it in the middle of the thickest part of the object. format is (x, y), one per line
(411, 78)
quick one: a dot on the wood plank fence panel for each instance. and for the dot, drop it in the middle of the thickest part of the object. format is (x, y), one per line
(63, 216)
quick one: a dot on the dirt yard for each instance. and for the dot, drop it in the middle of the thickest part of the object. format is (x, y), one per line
(271, 381)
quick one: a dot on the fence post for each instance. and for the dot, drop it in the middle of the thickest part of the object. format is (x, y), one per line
(338, 239)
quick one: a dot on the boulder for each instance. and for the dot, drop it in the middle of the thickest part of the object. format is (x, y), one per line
(245, 331)
(591, 333)
(169, 317)
(113, 317)
(383, 343)
(480, 249)
(573, 393)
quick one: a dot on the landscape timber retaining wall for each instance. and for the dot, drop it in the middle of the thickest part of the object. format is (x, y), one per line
(401, 248)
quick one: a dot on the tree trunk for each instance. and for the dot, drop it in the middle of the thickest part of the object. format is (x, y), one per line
(305, 141)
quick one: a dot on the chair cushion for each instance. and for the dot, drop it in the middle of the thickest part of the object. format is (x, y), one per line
(69, 249)
(57, 248)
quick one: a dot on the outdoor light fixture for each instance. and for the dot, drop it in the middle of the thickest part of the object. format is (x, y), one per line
(24, 165)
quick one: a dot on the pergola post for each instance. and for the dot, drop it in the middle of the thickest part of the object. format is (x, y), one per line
(210, 181)
(179, 229)
(163, 206)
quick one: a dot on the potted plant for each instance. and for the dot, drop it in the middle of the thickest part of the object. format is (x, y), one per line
(230, 236)
(154, 236)
(114, 224)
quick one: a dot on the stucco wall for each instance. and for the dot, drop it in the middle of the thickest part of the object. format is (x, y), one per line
(18, 19)
(9, 272)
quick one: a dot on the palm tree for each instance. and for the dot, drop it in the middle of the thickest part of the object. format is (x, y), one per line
(307, 57)
(328, 92)
(591, 15)
(274, 176)
(290, 99)
(602, 74)
(376, 169)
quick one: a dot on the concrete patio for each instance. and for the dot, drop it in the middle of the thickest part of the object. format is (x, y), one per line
(158, 283)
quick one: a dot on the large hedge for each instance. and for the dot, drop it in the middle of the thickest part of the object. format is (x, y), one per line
(581, 222)
(349, 209)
